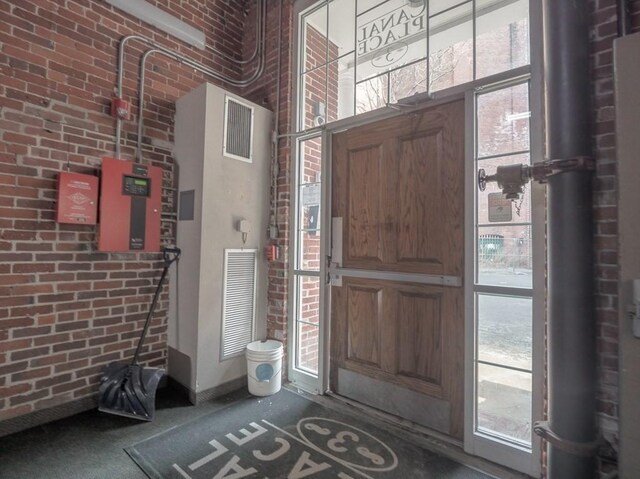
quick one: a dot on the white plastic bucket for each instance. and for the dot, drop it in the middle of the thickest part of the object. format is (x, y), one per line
(264, 365)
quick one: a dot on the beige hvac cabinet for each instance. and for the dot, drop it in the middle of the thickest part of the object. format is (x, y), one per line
(218, 291)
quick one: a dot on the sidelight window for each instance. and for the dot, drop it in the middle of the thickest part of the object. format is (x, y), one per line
(503, 285)
(306, 281)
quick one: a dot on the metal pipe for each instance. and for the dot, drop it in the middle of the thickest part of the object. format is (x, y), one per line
(143, 68)
(571, 320)
(187, 61)
(276, 137)
(624, 18)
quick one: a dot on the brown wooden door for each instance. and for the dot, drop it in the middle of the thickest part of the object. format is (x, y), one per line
(396, 343)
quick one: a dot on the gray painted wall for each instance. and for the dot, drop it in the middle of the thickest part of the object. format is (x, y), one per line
(627, 75)
(226, 191)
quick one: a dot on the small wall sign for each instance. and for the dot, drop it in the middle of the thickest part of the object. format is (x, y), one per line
(500, 208)
(77, 199)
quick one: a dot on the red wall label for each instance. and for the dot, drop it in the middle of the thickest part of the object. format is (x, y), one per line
(77, 199)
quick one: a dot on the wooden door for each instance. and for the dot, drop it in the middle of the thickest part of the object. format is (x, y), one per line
(397, 331)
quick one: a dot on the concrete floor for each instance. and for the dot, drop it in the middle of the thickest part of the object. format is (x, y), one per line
(90, 445)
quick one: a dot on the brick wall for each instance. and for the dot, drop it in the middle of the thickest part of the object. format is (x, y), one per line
(279, 43)
(65, 309)
(603, 33)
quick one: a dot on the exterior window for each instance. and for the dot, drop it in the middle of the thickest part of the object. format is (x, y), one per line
(307, 283)
(503, 282)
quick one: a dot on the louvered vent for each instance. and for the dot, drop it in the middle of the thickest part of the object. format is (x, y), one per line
(238, 130)
(238, 312)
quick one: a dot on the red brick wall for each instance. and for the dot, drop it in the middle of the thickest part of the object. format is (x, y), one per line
(603, 33)
(65, 309)
(265, 91)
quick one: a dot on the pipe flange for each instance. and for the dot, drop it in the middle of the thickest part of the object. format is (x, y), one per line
(583, 449)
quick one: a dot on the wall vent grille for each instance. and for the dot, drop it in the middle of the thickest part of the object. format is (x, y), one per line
(238, 130)
(239, 301)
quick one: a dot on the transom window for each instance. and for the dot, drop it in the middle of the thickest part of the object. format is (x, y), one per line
(361, 55)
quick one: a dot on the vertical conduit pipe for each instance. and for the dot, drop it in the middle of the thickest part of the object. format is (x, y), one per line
(624, 18)
(571, 322)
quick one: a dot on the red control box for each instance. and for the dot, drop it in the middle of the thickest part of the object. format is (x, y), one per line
(77, 199)
(130, 206)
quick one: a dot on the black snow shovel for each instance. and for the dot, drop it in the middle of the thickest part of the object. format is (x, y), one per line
(128, 389)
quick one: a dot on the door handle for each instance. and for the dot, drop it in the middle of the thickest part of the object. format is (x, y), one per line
(336, 274)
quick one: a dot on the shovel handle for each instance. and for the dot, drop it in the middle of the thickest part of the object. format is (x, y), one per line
(170, 254)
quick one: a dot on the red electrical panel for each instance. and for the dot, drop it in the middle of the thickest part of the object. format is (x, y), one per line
(130, 206)
(77, 201)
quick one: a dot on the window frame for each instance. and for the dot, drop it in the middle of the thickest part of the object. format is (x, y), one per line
(492, 449)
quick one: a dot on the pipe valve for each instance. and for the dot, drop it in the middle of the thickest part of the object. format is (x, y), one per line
(511, 179)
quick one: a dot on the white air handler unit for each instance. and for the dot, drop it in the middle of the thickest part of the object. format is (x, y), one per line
(219, 289)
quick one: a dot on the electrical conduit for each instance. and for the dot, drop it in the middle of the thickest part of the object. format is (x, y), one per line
(184, 60)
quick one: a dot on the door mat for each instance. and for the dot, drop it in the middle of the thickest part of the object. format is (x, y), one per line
(287, 436)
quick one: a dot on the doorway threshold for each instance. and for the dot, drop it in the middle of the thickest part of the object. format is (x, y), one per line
(419, 435)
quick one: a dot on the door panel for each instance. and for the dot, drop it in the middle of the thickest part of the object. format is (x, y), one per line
(420, 336)
(365, 212)
(398, 186)
(417, 207)
(363, 325)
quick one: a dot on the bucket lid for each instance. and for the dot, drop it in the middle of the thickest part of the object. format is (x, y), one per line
(264, 346)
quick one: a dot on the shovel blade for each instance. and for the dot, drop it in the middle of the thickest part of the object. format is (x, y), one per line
(129, 390)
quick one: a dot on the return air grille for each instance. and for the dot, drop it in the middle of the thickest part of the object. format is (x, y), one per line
(238, 130)
(238, 312)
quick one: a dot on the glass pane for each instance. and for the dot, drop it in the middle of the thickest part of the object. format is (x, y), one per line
(389, 36)
(504, 403)
(309, 294)
(503, 121)
(341, 88)
(314, 87)
(342, 25)
(315, 38)
(364, 5)
(308, 318)
(310, 160)
(451, 48)
(499, 210)
(408, 81)
(502, 36)
(308, 335)
(309, 250)
(505, 330)
(504, 256)
(437, 6)
(372, 94)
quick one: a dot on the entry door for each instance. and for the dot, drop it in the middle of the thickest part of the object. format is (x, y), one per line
(397, 320)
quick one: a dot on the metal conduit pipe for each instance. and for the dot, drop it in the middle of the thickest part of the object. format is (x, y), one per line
(571, 321)
(624, 18)
(273, 222)
(178, 58)
(143, 68)
(187, 61)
